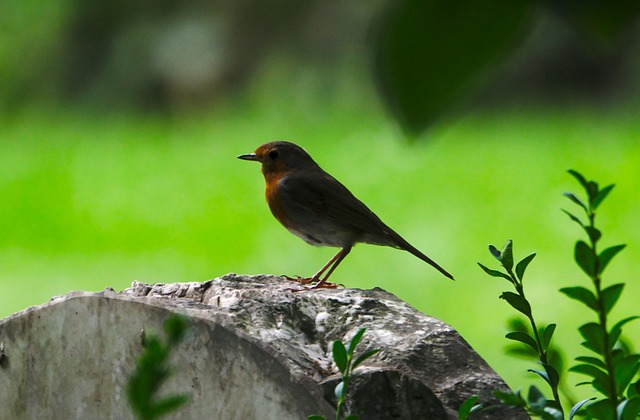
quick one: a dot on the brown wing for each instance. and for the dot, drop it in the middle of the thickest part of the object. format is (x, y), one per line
(318, 193)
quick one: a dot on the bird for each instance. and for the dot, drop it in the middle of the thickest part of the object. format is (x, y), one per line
(316, 207)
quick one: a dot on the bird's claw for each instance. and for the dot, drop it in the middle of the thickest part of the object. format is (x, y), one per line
(310, 283)
(301, 280)
(325, 285)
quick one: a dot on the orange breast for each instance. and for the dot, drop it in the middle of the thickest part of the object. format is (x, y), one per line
(273, 198)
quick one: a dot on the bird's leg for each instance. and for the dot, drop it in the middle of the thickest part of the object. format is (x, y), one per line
(316, 276)
(332, 265)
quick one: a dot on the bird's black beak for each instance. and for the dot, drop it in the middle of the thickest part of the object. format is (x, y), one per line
(248, 156)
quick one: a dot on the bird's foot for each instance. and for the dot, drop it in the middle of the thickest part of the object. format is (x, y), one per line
(325, 285)
(311, 283)
(301, 280)
(320, 285)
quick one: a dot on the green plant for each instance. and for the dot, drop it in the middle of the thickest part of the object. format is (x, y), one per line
(152, 370)
(469, 407)
(613, 369)
(538, 340)
(343, 358)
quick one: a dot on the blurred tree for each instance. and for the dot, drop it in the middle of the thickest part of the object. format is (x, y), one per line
(149, 53)
(430, 55)
(156, 53)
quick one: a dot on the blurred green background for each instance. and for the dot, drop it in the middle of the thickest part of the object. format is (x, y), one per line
(121, 122)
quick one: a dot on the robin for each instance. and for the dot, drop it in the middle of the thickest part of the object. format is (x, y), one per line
(316, 207)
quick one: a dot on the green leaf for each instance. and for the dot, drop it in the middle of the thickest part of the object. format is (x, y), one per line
(339, 391)
(496, 254)
(424, 67)
(600, 409)
(152, 371)
(601, 385)
(536, 398)
(522, 265)
(523, 338)
(169, 404)
(477, 408)
(364, 357)
(610, 296)
(592, 192)
(552, 375)
(315, 417)
(616, 330)
(576, 200)
(581, 294)
(574, 218)
(602, 194)
(175, 326)
(355, 340)
(465, 408)
(593, 233)
(625, 370)
(585, 258)
(581, 179)
(620, 409)
(547, 334)
(340, 356)
(507, 255)
(510, 398)
(551, 413)
(517, 302)
(634, 390)
(617, 354)
(351, 417)
(593, 336)
(592, 361)
(540, 373)
(495, 273)
(629, 409)
(578, 406)
(605, 256)
(600, 378)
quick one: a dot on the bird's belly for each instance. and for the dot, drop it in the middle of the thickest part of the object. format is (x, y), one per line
(322, 235)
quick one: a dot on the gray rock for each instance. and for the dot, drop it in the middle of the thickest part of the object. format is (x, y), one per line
(255, 350)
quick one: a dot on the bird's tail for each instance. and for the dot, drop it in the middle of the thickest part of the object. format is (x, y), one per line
(401, 243)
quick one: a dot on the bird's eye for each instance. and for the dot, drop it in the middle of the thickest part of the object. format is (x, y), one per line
(273, 154)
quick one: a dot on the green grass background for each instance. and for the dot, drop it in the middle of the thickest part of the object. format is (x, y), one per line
(92, 199)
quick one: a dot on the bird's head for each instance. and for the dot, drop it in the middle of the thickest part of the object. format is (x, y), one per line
(280, 157)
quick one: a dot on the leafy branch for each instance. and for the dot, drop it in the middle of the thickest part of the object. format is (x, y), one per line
(613, 369)
(343, 358)
(152, 370)
(539, 340)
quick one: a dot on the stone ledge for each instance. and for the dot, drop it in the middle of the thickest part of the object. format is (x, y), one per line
(255, 350)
